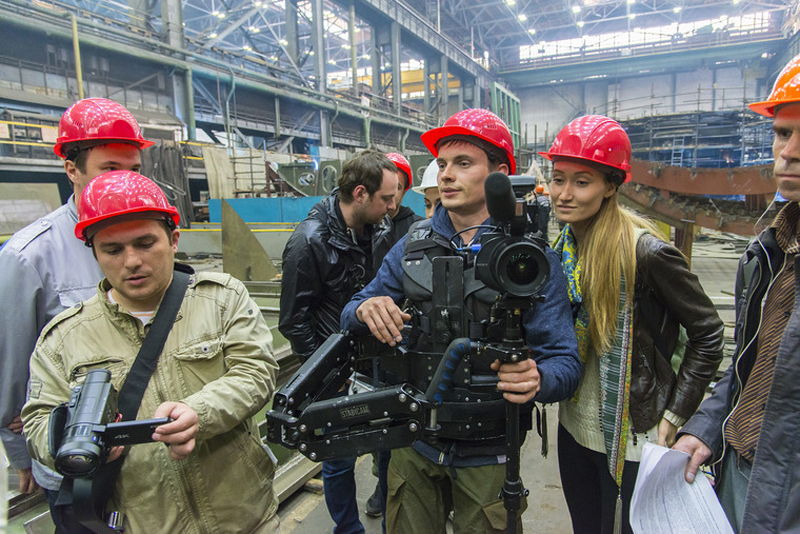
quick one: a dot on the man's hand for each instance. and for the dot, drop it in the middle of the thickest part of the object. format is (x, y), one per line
(26, 482)
(666, 433)
(178, 434)
(698, 451)
(519, 382)
(16, 425)
(384, 319)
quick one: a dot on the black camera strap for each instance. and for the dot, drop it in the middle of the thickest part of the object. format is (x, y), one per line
(132, 391)
(89, 496)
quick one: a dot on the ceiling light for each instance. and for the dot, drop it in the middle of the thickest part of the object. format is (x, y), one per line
(632, 16)
(676, 9)
(576, 9)
(346, 46)
(247, 47)
(215, 13)
(284, 42)
(332, 62)
(221, 16)
(532, 31)
(257, 4)
(580, 24)
(511, 2)
(631, 1)
(522, 17)
(311, 53)
(213, 36)
(357, 29)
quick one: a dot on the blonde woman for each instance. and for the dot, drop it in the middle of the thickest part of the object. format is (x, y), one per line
(630, 293)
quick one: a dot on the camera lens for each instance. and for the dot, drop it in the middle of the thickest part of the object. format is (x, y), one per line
(78, 464)
(522, 269)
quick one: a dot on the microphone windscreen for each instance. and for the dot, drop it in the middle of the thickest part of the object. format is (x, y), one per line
(500, 199)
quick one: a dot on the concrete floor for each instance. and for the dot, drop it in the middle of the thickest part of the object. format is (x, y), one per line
(714, 261)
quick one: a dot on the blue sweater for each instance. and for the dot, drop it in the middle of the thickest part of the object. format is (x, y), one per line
(548, 326)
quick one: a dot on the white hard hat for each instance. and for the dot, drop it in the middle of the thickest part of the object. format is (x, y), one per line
(428, 178)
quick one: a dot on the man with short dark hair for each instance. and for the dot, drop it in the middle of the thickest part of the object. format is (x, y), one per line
(437, 474)
(326, 261)
(215, 372)
(46, 270)
(748, 428)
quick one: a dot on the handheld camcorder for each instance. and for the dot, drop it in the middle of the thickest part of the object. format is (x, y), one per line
(508, 260)
(83, 430)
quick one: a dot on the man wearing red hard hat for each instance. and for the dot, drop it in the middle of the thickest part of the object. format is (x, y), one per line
(215, 372)
(463, 473)
(748, 428)
(46, 271)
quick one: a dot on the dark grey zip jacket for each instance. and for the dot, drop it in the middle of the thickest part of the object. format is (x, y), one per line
(773, 497)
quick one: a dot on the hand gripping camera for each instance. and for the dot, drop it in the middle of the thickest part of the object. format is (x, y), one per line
(83, 430)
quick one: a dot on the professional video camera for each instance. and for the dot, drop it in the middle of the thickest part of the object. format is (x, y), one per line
(83, 430)
(444, 390)
(508, 261)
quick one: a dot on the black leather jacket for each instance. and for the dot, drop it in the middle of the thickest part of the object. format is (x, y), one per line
(672, 295)
(323, 267)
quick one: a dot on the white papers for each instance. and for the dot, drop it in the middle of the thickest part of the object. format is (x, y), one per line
(664, 502)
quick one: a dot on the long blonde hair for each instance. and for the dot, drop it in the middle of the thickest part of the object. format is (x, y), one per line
(607, 252)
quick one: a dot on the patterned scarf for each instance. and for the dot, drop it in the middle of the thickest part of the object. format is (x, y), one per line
(615, 371)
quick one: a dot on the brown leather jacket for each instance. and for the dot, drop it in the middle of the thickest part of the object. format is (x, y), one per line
(671, 295)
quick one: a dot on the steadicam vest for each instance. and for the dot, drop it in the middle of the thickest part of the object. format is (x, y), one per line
(446, 302)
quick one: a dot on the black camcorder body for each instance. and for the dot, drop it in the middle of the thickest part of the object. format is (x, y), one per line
(83, 430)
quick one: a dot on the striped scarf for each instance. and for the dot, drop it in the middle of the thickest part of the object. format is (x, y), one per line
(615, 365)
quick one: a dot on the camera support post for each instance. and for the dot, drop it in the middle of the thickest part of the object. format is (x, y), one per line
(512, 349)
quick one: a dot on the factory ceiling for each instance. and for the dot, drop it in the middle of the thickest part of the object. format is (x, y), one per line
(499, 32)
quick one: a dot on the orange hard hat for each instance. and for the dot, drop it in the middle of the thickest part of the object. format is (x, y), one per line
(94, 121)
(785, 90)
(480, 123)
(540, 188)
(117, 193)
(402, 165)
(593, 138)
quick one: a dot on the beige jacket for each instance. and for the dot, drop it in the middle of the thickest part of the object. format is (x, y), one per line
(217, 359)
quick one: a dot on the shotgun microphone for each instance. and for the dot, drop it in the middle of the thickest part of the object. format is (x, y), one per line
(500, 199)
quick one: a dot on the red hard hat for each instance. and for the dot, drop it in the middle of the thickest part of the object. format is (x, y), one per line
(402, 165)
(785, 90)
(98, 119)
(594, 138)
(479, 123)
(116, 193)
